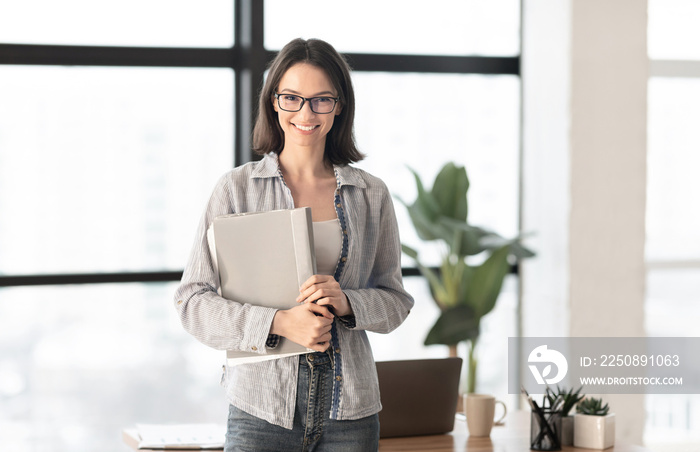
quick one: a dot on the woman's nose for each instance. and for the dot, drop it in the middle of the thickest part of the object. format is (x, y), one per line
(306, 109)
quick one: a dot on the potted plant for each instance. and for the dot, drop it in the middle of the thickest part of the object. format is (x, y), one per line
(567, 400)
(594, 427)
(464, 292)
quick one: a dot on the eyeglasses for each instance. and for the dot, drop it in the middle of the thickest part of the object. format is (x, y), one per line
(319, 105)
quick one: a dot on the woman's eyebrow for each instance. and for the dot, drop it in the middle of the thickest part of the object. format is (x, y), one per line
(322, 93)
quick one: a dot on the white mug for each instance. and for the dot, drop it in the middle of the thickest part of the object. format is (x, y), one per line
(480, 410)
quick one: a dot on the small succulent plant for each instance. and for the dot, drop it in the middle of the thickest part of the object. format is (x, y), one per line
(592, 407)
(566, 399)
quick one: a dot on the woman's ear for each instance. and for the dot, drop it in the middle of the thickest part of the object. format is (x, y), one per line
(274, 103)
(338, 109)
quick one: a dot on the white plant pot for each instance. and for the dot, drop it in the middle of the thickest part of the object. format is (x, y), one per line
(594, 432)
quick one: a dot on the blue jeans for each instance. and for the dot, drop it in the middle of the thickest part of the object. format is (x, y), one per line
(312, 429)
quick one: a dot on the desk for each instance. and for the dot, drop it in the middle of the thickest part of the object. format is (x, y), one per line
(514, 436)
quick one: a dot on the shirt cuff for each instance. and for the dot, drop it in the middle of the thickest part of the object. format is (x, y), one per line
(273, 341)
(348, 321)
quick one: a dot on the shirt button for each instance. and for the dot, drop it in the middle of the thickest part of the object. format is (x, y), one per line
(345, 259)
(254, 348)
(338, 378)
(338, 205)
(345, 231)
(337, 350)
(311, 358)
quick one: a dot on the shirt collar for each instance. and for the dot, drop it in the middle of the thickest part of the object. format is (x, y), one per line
(345, 174)
(267, 167)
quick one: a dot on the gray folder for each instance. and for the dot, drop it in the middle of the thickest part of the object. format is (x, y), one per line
(263, 258)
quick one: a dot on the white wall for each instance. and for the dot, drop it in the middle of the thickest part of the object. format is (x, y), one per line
(585, 72)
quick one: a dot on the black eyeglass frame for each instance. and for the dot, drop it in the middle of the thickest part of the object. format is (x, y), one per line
(303, 101)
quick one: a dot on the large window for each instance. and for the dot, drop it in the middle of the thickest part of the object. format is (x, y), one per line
(79, 362)
(155, 23)
(105, 169)
(673, 220)
(115, 126)
(441, 27)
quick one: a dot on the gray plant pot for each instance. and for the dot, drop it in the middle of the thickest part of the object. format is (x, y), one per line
(567, 431)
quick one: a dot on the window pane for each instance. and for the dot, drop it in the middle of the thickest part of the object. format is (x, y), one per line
(80, 363)
(108, 169)
(157, 23)
(432, 119)
(446, 27)
(673, 29)
(672, 310)
(672, 422)
(673, 220)
(672, 307)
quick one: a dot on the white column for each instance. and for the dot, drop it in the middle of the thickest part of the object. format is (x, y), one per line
(585, 73)
(546, 75)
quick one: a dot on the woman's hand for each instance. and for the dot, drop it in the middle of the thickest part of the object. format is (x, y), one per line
(324, 290)
(307, 324)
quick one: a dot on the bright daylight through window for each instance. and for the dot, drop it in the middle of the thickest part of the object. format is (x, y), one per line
(673, 221)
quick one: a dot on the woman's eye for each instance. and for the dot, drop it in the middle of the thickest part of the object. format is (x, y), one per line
(324, 100)
(290, 98)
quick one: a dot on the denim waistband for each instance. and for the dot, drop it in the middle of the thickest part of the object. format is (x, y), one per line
(317, 358)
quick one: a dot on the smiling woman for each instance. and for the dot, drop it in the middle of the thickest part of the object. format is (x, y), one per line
(336, 387)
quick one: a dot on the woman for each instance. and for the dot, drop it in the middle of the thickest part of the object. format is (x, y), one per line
(327, 400)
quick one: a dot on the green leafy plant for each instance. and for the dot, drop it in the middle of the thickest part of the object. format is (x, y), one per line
(592, 407)
(566, 399)
(464, 292)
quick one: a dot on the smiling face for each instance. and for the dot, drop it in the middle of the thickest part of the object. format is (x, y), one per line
(304, 128)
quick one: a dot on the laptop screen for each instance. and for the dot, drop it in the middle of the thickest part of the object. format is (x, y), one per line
(419, 397)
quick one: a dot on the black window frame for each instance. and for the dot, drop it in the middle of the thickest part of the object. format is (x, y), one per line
(248, 58)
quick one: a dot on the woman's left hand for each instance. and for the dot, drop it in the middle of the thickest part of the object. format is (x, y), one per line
(324, 290)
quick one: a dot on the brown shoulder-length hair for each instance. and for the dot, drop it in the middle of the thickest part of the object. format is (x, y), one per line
(340, 142)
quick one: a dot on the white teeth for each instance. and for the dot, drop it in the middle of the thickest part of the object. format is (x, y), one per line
(305, 128)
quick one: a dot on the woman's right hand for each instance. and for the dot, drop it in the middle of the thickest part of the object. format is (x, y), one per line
(307, 324)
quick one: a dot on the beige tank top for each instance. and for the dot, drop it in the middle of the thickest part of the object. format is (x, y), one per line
(328, 243)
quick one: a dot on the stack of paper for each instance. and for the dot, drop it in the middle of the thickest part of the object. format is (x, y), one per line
(181, 436)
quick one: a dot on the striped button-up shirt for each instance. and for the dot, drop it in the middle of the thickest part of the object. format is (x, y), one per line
(369, 273)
